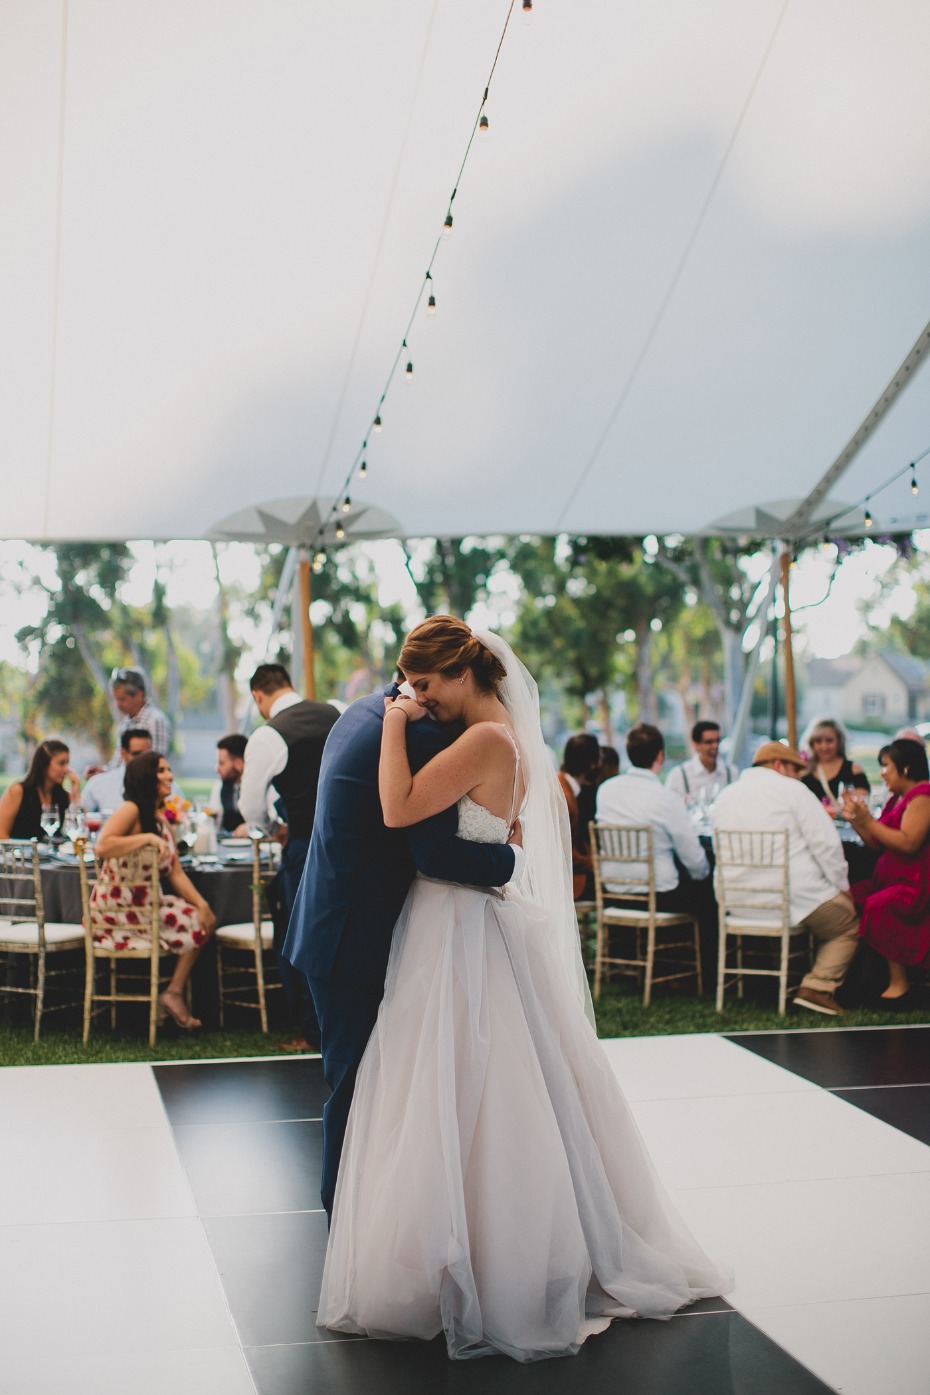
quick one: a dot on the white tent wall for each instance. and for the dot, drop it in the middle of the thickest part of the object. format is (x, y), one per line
(690, 254)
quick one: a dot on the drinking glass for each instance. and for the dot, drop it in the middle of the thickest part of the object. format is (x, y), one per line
(50, 820)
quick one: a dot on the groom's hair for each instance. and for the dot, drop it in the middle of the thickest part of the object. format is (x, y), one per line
(444, 644)
(269, 678)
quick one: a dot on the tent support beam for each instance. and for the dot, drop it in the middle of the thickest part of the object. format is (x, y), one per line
(791, 708)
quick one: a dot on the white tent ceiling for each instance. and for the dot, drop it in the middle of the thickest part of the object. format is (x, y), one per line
(690, 255)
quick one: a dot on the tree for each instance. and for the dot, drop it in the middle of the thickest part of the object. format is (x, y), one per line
(451, 574)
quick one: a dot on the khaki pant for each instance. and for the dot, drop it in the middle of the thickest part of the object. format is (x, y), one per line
(835, 925)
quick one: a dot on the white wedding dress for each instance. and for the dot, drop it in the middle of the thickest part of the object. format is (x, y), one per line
(493, 1183)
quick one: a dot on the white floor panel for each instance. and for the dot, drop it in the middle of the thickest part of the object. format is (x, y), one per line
(91, 1173)
(748, 1139)
(64, 1097)
(693, 1066)
(198, 1372)
(831, 1240)
(876, 1346)
(104, 1288)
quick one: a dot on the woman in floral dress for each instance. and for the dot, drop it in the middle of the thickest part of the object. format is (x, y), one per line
(186, 921)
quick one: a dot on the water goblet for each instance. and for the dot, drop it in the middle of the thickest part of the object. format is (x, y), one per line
(50, 820)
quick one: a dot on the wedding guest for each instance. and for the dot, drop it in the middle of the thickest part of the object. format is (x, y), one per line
(285, 755)
(578, 780)
(769, 797)
(909, 734)
(830, 767)
(637, 798)
(128, 688)
(23, 800)
(895, 900)
(610, 764)
(224, 796)
(185, 919)
(104, 792)
(706, 772)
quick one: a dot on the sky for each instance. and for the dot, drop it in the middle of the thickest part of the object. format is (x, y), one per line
(824, 630)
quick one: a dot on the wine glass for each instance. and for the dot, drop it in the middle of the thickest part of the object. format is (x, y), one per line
(50, 820)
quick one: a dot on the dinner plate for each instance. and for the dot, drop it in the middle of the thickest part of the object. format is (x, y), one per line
(235, 842)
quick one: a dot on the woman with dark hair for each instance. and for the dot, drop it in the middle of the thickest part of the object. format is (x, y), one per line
(186, 921)
(23, 801)
(493, 1184)
(831, 769)
(895, 901)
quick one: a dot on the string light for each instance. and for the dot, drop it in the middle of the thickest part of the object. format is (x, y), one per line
(865, 503)
(359, 465)
(868, 520)
(914, 486)
(319, 561)
(527, 9)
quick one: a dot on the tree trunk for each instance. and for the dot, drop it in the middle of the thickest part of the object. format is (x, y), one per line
(647, 706)
(603, 712)
(226, 653)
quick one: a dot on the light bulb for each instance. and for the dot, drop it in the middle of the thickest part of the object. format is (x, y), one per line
(868, 517)
(408, 371)
(340, 531)
(431, 307)
(914, 486)
(527, 9)
(346, 504)
(377, 425)
(319, 561)
(447, 226)
(362, 470)
(483, 125)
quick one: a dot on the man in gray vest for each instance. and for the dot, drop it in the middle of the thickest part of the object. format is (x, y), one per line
(285, 754)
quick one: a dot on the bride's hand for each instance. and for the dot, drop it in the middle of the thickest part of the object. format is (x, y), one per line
(516, 834)
(409, 706)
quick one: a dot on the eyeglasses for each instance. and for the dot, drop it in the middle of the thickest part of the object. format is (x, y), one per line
(710, 740)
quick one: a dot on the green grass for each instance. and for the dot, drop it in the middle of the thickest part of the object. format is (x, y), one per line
(620, 1013)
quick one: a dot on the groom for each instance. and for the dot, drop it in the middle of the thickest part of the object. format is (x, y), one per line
(354, 884)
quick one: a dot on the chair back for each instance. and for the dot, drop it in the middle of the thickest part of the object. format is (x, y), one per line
(21, 883)
(751, 875)
(621, 855)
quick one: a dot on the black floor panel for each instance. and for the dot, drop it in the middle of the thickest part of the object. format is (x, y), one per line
(689, 1355)
(242, 1169)
(239, 1091)
(906, 1107)
(842, 1059)
(271, 1268)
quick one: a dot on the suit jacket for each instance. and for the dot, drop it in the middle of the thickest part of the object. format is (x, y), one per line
(358, 871)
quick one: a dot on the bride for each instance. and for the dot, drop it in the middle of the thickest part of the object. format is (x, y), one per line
(493, 1184)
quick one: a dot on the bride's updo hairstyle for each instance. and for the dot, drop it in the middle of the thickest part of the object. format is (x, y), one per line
(443, 644)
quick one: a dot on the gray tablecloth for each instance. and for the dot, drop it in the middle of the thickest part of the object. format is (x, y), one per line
(228, 890)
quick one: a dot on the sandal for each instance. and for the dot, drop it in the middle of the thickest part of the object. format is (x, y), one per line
(182, 1019)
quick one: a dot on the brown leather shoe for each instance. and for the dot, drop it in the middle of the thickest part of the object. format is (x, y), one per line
(816, 1001)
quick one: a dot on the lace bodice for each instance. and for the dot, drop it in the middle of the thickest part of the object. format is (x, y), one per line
(478, 825)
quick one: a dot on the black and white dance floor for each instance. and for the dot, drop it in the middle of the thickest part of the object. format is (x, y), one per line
(160, 1230)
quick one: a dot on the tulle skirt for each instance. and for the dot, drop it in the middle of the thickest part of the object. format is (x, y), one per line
(493, 1184)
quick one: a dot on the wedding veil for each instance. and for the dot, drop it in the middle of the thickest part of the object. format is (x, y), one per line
(547, 875)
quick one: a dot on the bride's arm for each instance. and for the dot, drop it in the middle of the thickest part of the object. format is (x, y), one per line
(406, 798)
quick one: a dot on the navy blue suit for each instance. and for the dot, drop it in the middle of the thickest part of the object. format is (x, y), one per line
(355, 881)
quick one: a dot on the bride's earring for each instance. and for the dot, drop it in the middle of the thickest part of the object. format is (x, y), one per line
(461, 678)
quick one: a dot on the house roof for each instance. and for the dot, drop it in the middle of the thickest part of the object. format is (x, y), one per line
(832, 673)
(912, 671)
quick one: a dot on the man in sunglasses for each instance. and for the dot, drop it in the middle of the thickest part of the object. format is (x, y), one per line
(706, 772)
(128, 688)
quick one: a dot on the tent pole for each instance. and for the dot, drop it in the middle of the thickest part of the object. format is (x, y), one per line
(791, 712)
(305, 623)
(740, 733)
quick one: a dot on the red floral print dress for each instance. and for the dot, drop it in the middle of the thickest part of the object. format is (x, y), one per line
(123, 908)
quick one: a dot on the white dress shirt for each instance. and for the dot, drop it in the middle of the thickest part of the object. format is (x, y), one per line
(765, 800)
(638, 797)
(265, 757)
(691, 778)
(105, 792)
(149, 718)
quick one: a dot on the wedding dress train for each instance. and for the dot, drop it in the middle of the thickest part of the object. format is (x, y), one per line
(493, 1183)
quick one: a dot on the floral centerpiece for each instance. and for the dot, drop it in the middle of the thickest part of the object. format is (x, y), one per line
(177, 808)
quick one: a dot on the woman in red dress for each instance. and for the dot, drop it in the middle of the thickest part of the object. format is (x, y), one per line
(895, 901)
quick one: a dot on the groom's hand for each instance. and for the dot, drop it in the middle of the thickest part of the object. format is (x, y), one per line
(414, 712)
